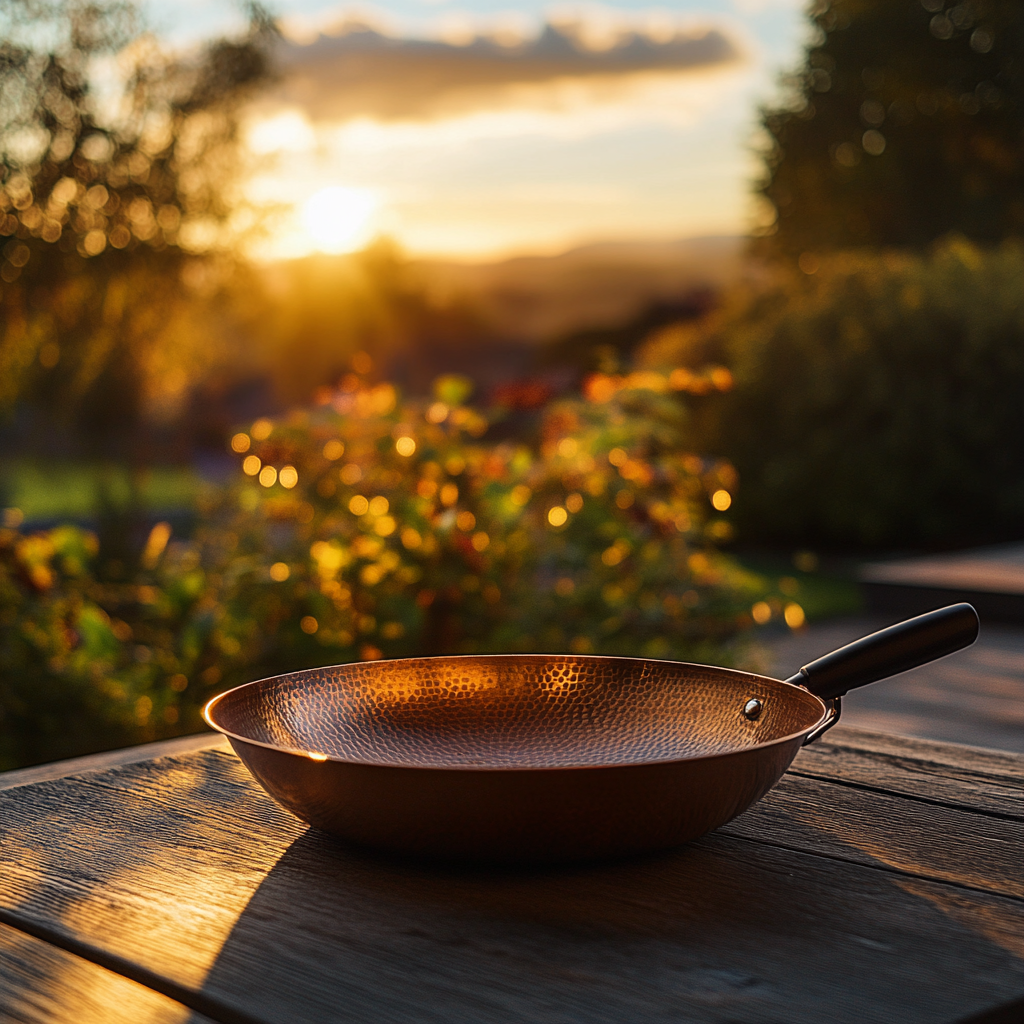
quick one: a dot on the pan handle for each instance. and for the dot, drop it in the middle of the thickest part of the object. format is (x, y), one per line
(890, 651)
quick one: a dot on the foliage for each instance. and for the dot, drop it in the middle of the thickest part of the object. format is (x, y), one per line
(368, 527)
(905, 122)
(73, 681)
(108, 195)
(876, 402)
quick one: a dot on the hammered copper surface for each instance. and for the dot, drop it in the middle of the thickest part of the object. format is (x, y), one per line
(516, 759)
(528, 711)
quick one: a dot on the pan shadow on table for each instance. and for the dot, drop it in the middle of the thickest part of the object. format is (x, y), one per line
(722, 930)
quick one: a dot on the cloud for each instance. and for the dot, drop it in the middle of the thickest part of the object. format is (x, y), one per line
(360, 72)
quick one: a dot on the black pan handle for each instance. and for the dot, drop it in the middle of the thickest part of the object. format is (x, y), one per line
(890, 651)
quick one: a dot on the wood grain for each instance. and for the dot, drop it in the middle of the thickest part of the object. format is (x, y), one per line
(970, 778)
(41, 984)
(110, 759)
(184, 867)
(910, 836)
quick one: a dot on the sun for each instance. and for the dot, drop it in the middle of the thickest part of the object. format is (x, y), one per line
(339, 218)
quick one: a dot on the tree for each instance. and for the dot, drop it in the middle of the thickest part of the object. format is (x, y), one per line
(905, 123)
(117, 165)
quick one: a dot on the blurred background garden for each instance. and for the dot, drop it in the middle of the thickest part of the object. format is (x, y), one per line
(605, 330)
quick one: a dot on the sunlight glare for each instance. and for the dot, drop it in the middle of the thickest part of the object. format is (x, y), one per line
(339, 218)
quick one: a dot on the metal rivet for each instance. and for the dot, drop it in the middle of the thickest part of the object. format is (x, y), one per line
(753, 708)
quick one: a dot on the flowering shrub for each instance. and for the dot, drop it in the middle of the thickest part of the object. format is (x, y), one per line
(399, 531)
(368, 527)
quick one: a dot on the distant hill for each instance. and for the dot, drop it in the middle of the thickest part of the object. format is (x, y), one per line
(536, 298)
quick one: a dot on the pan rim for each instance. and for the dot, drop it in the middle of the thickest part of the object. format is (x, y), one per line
(207, 714)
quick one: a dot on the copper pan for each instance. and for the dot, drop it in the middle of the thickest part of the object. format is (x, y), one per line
(544, 758)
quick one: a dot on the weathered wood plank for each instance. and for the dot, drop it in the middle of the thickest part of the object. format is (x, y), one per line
(188, 869)
(110, 759)
(891, 832)
(965, 777)
(957, 760)
(41, 984)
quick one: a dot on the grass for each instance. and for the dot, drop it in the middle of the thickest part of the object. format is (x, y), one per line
(50, 491)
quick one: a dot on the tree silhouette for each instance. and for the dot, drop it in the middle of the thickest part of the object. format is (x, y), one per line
(905, 123)
(117, 166)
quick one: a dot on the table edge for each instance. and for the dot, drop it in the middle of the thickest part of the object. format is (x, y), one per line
(18, 777)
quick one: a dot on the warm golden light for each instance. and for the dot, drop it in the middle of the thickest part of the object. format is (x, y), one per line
(405, 446)
(288, 476)
(721, 499)
(333, 450)
(308, 624)
(251, 465)
(340, 219)
(315, 755)
(794, 616)
(155, 544)
(279, 572)
(358, 505)
(761, 612)
(379, 505)
(574, 502)
(557, 516)
(268, 476)
(465, 521)
(240, 443)
(612, 556)
(262, 429)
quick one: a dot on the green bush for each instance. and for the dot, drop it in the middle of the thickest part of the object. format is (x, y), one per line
(367, 528)
(878, 400)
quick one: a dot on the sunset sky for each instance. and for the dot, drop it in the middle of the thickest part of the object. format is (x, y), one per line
(477, 130)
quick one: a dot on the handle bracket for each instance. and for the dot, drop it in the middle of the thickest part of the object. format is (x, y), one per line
(835, 709)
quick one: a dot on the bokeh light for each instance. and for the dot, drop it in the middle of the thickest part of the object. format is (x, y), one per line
(794, 616)
(557, 516)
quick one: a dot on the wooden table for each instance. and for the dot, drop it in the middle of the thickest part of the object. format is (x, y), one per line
(880, 881)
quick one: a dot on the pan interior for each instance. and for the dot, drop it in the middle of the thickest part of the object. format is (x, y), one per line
(529, 711)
